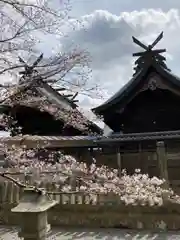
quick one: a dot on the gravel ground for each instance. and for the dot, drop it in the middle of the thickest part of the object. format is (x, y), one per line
(7, 233)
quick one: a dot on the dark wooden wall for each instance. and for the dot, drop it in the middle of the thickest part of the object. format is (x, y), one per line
(143, 157)
(149, 111)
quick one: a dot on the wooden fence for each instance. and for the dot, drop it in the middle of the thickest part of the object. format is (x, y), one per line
(10, 193)
(78, 210)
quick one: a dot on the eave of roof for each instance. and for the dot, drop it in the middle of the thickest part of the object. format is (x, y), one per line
(125, 90)
(138, 137)
(87, 141)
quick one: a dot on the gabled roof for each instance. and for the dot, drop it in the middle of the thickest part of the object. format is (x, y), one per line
(42, 96)
(148, 61)
(118, 97)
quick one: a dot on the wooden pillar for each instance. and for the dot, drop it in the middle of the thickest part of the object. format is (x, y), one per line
(79, 155)
(91, 154)
(119, 162)
(88, 156)
(73, 182)
(162, 162)
(141, 159)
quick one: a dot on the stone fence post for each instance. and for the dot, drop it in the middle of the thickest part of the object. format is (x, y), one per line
(33, 209)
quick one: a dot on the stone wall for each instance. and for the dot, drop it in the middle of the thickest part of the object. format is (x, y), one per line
(118, 216)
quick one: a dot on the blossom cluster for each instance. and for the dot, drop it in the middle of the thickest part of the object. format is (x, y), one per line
(71, 117)
(70, 175)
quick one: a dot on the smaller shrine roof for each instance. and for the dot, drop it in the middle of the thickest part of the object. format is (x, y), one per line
(40, 95)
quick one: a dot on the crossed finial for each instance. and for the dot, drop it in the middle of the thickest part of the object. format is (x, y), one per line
(71, 97)
(149, 54)
(149, 48)
(29, 69)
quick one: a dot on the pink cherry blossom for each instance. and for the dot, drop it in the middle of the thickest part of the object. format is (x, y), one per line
(136, 189)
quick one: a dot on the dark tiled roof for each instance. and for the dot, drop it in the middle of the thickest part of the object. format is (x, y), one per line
(158, 136)
(119, 94)
(137, 78)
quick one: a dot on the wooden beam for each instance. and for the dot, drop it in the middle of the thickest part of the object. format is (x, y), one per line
(162, 162)
(119, 162)
(75, 95)
(68, 95)
(30, 143)
(157, 40)
(60, 89)
(51, 81)
(136, 41)
(152, 52)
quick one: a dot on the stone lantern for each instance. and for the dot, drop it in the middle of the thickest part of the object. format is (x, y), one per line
(33, 209)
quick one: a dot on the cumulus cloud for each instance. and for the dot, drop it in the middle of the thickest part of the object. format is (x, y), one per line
(102, 34)
(108, 38)
(82, 7)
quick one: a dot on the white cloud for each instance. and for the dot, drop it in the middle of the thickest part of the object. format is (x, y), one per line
(82, 7)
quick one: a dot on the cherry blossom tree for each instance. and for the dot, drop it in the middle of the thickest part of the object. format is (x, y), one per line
(20, 21)
(24, 24)
(70, 175)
